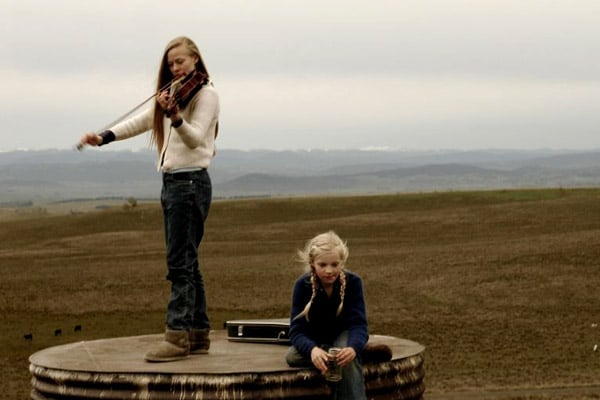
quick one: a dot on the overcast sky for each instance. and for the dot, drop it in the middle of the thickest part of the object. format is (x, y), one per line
(327, 74)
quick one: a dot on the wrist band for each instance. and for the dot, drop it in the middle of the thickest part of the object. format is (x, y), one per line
(107, 137)
(177, 124)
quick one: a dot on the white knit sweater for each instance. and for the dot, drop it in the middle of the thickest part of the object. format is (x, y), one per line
(192, 144)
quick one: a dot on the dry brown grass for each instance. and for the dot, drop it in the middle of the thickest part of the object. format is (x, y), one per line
(500, 286)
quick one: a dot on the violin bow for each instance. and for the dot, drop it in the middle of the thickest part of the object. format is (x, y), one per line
(80, 146)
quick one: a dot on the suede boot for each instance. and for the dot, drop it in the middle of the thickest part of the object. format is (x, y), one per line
(199, 341)
(376, 353)
(175, 346)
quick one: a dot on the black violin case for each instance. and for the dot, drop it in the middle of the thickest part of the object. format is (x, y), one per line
(276, 330)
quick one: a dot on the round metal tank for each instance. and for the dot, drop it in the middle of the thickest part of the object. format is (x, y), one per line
(115, 369)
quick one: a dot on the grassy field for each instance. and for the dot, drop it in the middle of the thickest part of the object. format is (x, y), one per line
(502, 287)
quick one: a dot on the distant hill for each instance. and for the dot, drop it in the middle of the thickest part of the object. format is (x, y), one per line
(56, 175)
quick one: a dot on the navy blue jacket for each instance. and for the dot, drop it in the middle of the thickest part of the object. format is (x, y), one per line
(324, 326)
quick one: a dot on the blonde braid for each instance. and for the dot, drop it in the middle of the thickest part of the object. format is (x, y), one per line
(342, 292)
(313, 283)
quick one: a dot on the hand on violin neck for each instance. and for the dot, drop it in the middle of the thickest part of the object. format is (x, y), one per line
(171, 108)
(163, 99)
(172, 111)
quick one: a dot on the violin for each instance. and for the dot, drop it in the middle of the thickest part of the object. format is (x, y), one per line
(181, 91)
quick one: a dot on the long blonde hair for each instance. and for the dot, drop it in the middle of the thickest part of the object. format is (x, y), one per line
(164, 77)
(323, 243)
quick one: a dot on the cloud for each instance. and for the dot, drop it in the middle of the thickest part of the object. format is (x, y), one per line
(403, 111)
(375, 73)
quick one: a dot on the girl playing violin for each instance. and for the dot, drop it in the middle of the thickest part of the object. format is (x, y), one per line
(184, 125)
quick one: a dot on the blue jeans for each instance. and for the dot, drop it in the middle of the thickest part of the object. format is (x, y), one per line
(185, 199)
(352, 385)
